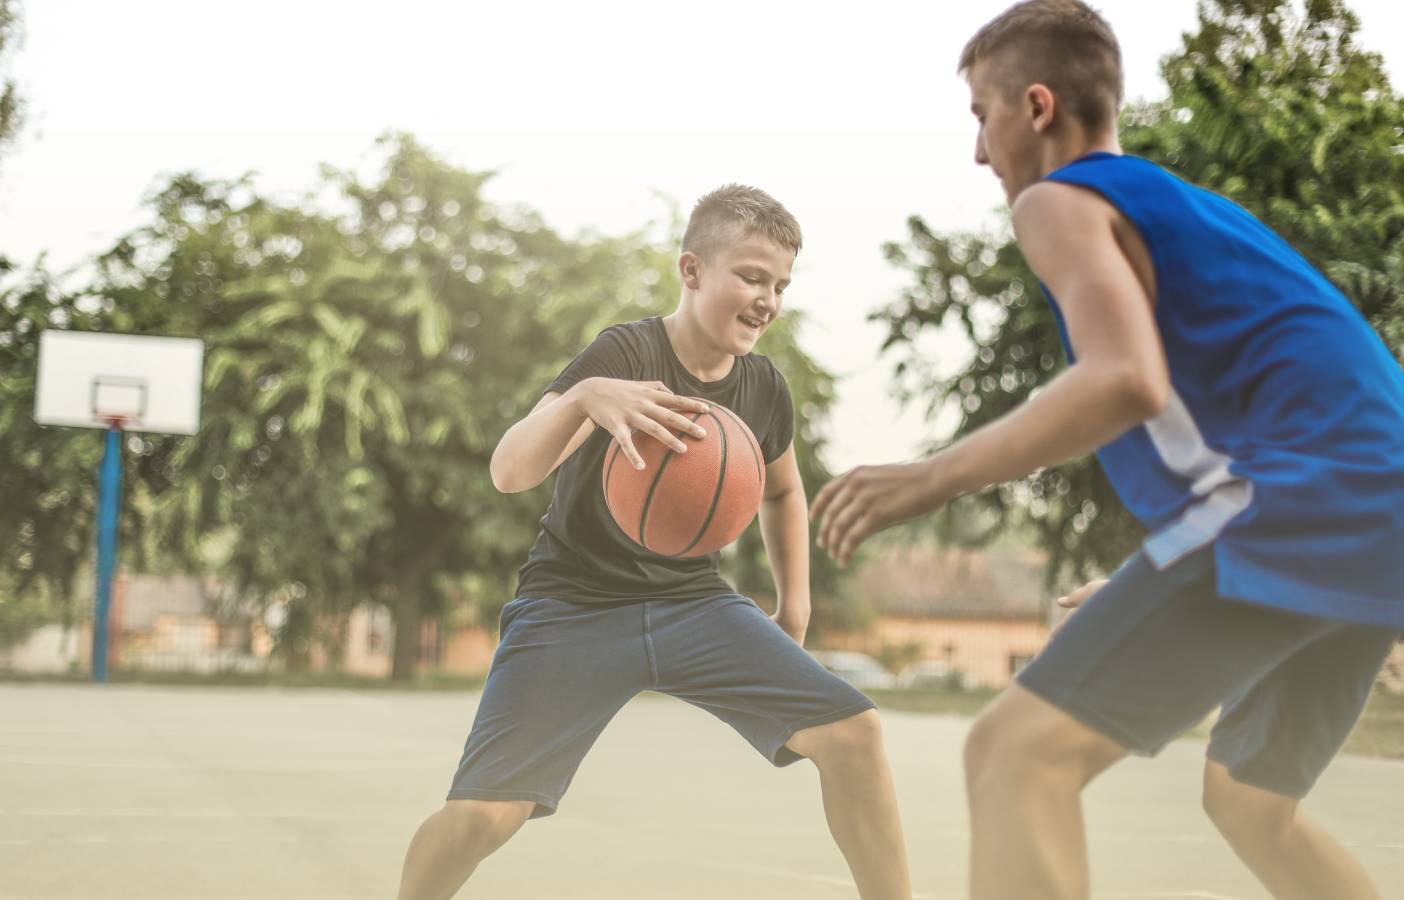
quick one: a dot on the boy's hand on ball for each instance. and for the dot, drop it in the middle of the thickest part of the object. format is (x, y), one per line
(869, 499)
(622, 407)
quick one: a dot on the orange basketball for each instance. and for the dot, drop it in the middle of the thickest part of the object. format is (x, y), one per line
(693, 503)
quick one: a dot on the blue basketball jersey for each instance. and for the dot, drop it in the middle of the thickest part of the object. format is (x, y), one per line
(1282, 444)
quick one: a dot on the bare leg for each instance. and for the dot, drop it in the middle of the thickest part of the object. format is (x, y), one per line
(1290, 854)
(860, 802)
(1026, 763)
(450, 844)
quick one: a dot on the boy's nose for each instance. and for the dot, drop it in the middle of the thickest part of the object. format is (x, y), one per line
(980, 158)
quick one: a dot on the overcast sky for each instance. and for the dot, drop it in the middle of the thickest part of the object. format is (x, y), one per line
(593, 113)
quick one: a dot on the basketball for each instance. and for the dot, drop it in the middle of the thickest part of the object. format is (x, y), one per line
(688, 504)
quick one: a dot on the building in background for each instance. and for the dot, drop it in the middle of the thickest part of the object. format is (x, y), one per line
(970, 617)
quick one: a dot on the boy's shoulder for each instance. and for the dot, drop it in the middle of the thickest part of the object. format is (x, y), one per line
(764, 372)
(635, 332)
(630, 340)
(645, 342)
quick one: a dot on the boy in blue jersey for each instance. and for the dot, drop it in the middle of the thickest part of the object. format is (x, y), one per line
(1244, 411)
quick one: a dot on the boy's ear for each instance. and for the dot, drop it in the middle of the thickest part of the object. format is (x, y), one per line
(690, 268)
(1040, 103)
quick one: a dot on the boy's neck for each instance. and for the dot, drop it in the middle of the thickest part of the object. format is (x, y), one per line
(1076, 145)
(698, 355)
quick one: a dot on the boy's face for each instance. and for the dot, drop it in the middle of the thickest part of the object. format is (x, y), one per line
(738, 292)
(1008, 139)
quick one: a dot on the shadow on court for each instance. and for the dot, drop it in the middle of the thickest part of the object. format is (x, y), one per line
(133, 793)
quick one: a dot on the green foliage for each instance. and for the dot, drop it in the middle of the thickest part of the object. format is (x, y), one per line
(47, 475)
(11, 106)
(1281, 112)
(363, 357)
(1287, 116)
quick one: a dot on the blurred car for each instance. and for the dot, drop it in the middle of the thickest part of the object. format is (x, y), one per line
(858, 669)
(930, 674)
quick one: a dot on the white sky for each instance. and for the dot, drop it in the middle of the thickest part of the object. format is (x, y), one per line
(850, 114)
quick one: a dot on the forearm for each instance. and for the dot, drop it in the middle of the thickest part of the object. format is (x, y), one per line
(785, 531)
(532, 448)
(1079, 411)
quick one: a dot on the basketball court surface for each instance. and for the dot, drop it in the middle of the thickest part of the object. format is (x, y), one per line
(134, 793)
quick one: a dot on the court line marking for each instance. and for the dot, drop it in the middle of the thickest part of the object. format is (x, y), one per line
(216, 813)
(1178, 895)
(813, 878)
(309, 764)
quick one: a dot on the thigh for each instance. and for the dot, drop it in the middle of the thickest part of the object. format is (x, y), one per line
(1155, 651)
(726, 656)
(560, 673)
(1280, 733)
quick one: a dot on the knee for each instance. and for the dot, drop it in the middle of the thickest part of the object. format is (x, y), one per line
(987, 736)
(997, 750)
(1243, 813)
(856, 737)
(1014, 743)
(479, 827)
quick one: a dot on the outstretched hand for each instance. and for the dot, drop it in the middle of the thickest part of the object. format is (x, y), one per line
(869, 499)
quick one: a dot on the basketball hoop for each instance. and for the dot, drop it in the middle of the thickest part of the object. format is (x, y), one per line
(116, 382)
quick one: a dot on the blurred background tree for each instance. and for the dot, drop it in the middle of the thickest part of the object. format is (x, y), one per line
(363, 356)
(11, 106)
(1279, 110)
(48, 476)
(38, 472)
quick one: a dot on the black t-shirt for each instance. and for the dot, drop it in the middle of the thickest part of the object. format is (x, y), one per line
(581, 554)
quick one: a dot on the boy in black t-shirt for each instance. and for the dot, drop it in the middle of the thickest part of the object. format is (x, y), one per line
(597, 618)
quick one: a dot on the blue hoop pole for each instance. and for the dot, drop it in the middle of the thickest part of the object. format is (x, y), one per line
(109, 489)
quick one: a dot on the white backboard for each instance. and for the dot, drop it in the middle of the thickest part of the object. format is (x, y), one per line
(88, 379)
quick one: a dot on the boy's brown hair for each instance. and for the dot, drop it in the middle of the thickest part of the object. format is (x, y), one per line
(733, 212)
(1062, 44)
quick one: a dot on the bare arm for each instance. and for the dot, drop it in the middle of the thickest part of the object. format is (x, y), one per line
(1119, 380)
(784, 518)
(556, 427)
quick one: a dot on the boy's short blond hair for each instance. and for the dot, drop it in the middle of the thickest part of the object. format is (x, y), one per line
(1062, 44)
(734, 212)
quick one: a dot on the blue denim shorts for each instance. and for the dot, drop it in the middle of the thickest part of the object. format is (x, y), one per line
(1154, 652)
(564, 669)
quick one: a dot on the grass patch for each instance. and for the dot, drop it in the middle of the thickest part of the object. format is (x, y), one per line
(942, 702)
(427, 682)
(1380, 731)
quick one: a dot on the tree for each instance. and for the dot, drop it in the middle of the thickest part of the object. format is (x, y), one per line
(11, 106)
(1281, 112)
(361, 365)
(48, 476)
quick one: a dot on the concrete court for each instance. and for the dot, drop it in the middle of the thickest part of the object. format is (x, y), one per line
(139, 793)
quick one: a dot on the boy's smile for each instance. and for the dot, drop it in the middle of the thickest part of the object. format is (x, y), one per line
(738, 293)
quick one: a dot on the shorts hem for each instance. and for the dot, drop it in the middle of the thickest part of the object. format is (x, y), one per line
(781, 756)
(1272, 786)
(1066, 702)
(545, 805)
